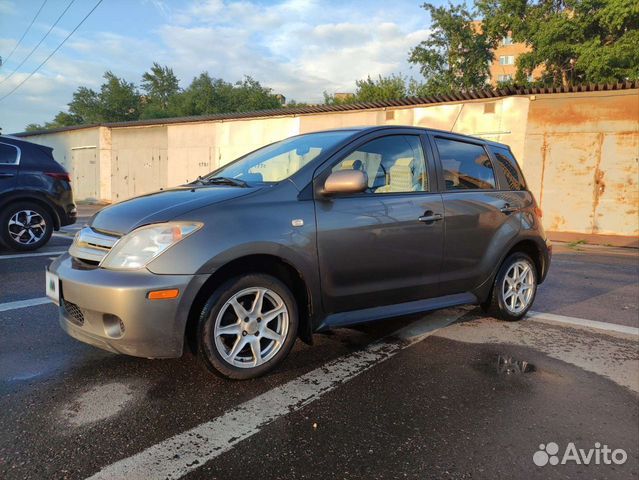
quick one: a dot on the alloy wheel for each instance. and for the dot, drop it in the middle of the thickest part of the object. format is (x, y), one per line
(27, 227)
(251, 327)
(518, 287)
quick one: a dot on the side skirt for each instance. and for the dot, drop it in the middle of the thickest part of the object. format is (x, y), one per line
(366, 315)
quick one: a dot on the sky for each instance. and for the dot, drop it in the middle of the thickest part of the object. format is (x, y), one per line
(299, 48)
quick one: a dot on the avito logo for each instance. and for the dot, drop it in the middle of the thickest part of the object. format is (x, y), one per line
(599, 455)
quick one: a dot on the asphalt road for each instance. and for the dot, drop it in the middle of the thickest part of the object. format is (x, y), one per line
(451, 394)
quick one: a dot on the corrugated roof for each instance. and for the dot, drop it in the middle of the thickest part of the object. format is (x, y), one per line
(311, 109)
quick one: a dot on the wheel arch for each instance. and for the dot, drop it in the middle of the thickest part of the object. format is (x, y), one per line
(254, 263)
(530, 247)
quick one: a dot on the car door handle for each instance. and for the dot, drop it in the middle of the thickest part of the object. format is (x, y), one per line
(6, 175)
(508, 209)
(430, 217)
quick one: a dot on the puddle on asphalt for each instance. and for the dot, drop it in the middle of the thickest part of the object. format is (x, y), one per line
(509, 366)
(503, 365)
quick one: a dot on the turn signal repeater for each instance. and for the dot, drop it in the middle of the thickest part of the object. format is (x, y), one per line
(163, 294)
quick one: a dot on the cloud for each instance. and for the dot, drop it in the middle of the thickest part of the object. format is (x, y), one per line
(7, 7)
(299, 48)
(295, 47)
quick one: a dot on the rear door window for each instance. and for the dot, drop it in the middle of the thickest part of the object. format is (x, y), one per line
(466, 165)
(8, 154)
(508, 173)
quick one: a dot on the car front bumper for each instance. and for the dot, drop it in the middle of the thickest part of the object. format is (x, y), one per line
(110, 309)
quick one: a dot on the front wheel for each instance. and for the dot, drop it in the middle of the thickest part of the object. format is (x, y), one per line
(25, 226)
(514, 290)
(248, 326)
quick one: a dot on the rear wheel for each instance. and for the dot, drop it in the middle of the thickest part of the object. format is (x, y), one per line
(25, 226)
(248, 326)
(514, 290)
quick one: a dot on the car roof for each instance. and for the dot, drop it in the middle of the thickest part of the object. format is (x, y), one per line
(11, 140)
(433, 131)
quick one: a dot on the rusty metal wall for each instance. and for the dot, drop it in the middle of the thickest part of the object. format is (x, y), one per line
(581, 158)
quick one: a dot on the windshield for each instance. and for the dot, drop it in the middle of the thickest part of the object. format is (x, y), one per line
(280, 160)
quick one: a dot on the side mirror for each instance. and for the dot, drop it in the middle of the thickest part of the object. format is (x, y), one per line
(345, 181)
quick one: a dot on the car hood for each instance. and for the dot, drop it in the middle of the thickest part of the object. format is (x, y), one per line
(161, 206)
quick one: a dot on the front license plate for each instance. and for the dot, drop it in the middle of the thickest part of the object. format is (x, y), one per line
(53, 287)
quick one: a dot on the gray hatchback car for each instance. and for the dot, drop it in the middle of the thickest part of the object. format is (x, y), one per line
(314, 232)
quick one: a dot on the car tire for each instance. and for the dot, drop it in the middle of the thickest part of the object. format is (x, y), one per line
(514, 289)
(239, 340)
(25, 226)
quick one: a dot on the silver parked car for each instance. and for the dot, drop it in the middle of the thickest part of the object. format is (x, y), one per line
(314, 232)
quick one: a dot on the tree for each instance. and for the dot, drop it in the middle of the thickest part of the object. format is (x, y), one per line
(248, 95)
(207, 95)
(62, 119)
(202, 96)
(161, 87)
(119, 100)
(457, 54)
(384, 88)
(391, 87)
(574, 41)
(85, 106)
(296, 104)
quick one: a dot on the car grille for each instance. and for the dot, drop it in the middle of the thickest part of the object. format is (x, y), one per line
(91, 246)
(74, 313)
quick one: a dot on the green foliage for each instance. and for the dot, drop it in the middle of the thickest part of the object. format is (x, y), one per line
(456, 55)
(384, 88)
(119, 100)
(391, 87)
(207, 95)
(85, 106)
(161, 87)
(574, 41)
(294, 103)
(62, 119)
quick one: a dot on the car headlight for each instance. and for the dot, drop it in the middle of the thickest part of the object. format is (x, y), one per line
(138, 248)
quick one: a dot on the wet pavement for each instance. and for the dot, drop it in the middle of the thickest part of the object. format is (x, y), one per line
(474, 399)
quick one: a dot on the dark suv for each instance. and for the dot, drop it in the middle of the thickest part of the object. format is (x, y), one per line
(314, 232)
(35, 194)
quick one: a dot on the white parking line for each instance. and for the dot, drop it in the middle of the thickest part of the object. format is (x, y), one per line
(32, 302)
(36, 254)
(582, 322)
(178, 455)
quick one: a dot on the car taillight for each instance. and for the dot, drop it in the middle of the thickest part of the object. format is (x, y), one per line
(538, 212)
(59, 176)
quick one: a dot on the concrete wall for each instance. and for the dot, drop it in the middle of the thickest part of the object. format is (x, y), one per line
(139, 161)
(579, 152)
(197, 148)
(80, 152)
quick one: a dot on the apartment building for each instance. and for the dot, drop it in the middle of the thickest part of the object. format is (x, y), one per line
(504, 66)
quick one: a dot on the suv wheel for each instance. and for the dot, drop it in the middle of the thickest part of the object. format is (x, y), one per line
(247, 326)
(514, 290)
(25, 226)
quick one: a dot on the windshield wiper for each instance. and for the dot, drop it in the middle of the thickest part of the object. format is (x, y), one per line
(223, 181)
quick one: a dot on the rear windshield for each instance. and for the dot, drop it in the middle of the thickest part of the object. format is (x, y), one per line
(508, 173)
(280, 160)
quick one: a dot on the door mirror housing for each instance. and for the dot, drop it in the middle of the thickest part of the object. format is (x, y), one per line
(345, 181)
